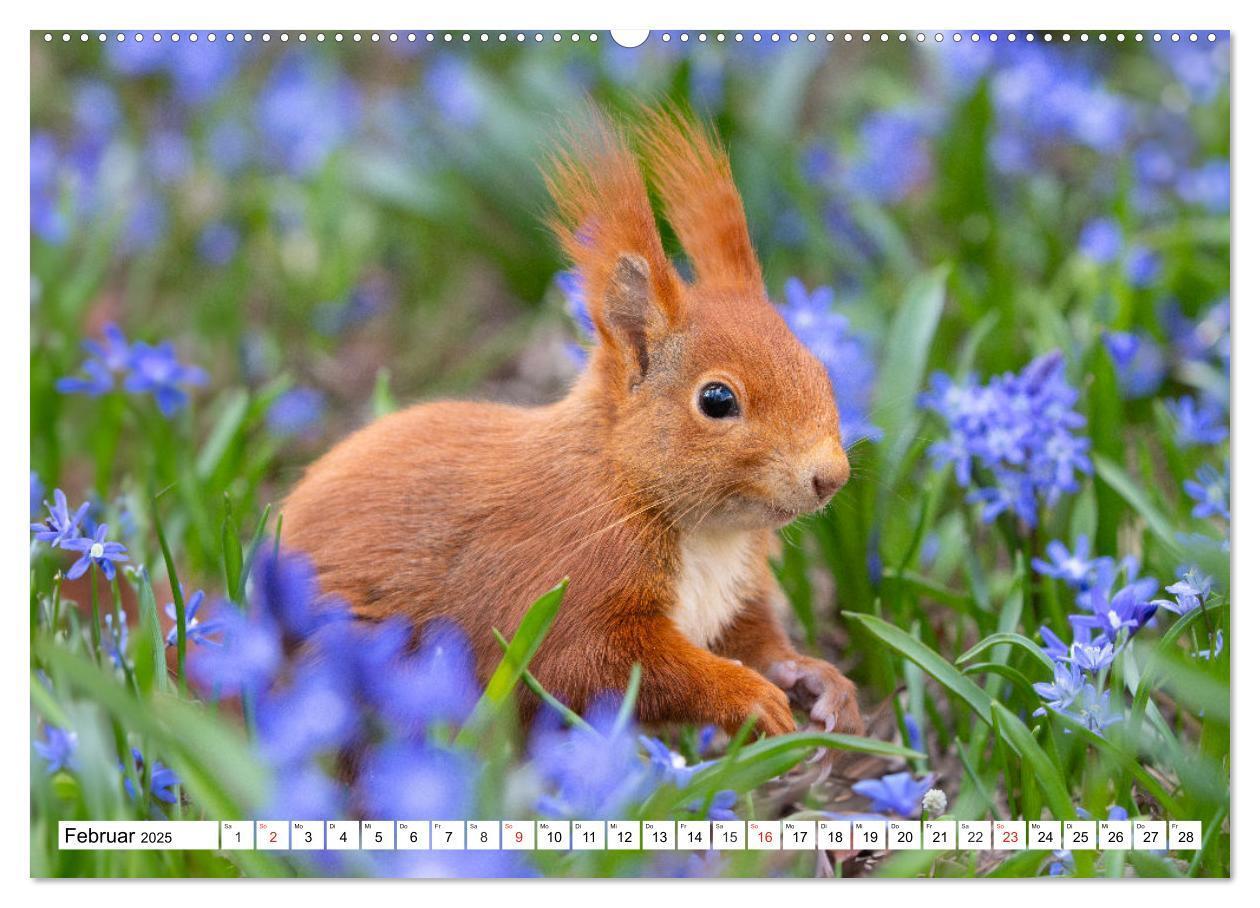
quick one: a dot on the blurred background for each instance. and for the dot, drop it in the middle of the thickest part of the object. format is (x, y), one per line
(369, 215)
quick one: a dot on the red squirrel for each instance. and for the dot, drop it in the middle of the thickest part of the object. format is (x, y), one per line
(699, 427)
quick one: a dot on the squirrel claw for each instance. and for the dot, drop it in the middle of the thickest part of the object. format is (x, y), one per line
(830, 696)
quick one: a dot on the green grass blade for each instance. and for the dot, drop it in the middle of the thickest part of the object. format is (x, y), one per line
(1009, 639)
(930, 661)
(909, 342)
(525, 642)
(1123, 484)
(545, 695)
(1047, 775)
(151, 646)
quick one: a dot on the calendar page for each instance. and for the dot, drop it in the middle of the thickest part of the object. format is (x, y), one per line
(788, 453)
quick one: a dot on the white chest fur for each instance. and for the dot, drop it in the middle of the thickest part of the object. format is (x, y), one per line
(714, 575)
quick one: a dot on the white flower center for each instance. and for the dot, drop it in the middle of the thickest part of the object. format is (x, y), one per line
(1114, 619)
(97, 550)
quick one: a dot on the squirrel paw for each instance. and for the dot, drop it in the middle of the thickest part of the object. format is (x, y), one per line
(819, 686)
(769, 704)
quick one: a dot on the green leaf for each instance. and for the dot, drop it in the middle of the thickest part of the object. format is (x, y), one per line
(1047, 775)
(150, 647)
(906, 357)
(383, 402)
(930, 661)
(1123, 484)
(1011, 639)
(235, 409)
(237, 594)
(525, 642)
(1126, 761)
(177, 594)
(545, 695)
(211, 756)
(1167, 643)
(233, 558)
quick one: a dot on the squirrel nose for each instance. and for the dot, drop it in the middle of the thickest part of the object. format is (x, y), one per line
(830, 471)
(829, 478)
(825, 484)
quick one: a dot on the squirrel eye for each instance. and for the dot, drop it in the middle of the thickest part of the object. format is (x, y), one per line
(717, 401)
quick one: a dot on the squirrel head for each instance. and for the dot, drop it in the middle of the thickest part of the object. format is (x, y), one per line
(710, 408)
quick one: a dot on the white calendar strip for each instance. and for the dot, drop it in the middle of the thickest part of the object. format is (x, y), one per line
(636, 835)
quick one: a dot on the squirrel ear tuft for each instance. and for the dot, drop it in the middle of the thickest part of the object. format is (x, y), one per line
(605, 223)
(628, 307)
(692, 173)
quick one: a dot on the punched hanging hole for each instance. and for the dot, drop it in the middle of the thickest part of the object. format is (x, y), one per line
(630, 37)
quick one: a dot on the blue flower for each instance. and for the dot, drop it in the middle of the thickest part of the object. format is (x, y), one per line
(161, 782)
(218, 243)
(1190, 592)
(1128, 610)
(593, 772)
(248, 659)
(1091, 657)
(1064, 863)
(169, 156)
(1201, 67)
(60, 526)
(1019, 429)
(894, 157)
(914, 735)
(306, 791)
(1210, 492)
(199, 70)
(1142, 266)
(1207, 186)
(145, 225)
(195, 630)
(1138, 360)
(57, 749)
(1095, 710)
(1061, 693)
(1101, 240)
(230, 145)
(37, 496)
(1076, 568)
(285, 589)
(404, 781)
(304, 114)
(1060, 651)
(670, 767)
(1198, 424)
(899, 793)
(156, 370)
(451, 83)
(845, 355)
(313, 714)
(105, 360)
(435, 684)
(95, 550)
(296, 412)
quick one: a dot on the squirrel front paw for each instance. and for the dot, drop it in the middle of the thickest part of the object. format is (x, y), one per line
(818, 686)
(768, 703)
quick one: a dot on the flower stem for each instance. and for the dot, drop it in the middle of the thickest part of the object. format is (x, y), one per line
(96, 616)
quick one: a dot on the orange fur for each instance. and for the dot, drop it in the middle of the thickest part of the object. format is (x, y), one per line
(693, 176)
(469, 511)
